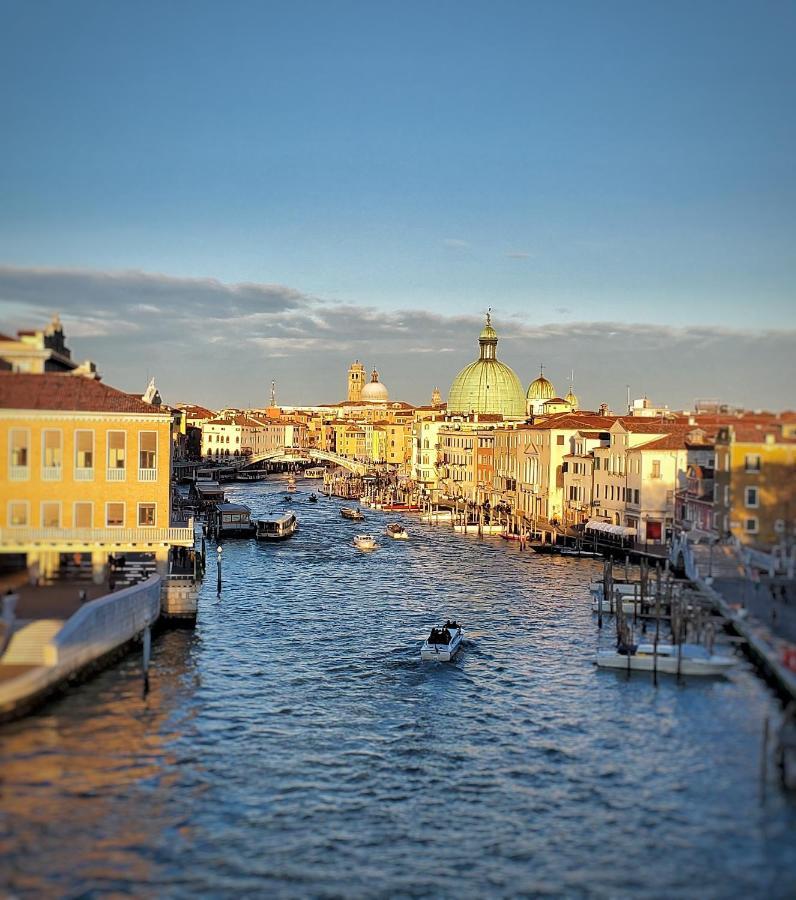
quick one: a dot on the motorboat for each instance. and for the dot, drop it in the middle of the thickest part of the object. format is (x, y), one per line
(670, 659)
(230, 520)
(349, 512)
(443, 643)
(291, 484)
(276, 529)
(313, 498)
(620, 588)
(396, 531)
(365, 542)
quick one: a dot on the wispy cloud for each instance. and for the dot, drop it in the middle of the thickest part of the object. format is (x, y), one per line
(222, 343)
(456, 244)
(518, 254)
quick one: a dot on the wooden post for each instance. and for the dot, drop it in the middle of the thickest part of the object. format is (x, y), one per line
(147, 648)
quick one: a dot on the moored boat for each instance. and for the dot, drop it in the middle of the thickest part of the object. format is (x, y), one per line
(349, 512)
(670, 659)
(365, 542)
(291, 484)
(231, 520)
(443, 643)
(276, 529)
(396, 531)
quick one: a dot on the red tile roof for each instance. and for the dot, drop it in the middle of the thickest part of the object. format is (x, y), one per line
(54, 391)
(674, 441)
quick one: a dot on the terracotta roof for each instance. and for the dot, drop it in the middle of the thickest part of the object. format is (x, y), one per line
(55, 391)
(5, 337)
(195, 412)
(240, 419)
(574, 421)
(674, 441)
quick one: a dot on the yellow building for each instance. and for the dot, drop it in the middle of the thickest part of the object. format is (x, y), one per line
(84, 468)
(755, 483)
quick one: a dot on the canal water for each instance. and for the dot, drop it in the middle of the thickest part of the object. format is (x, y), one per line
(294, 744)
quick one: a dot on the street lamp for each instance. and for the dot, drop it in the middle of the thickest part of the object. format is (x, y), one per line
(219, 551)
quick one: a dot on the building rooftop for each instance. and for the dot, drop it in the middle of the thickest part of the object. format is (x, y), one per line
(56, 391)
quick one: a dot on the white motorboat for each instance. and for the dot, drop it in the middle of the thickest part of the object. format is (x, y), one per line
(443, 643)
(348, 512)
(685, 659)
(624, 588)
(396, 531)
(365, 542)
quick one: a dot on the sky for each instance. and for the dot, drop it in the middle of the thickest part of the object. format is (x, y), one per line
(222, 194)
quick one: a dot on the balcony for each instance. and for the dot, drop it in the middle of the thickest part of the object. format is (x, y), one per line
(18, 473)
(51, 473)
(115, 474)
(16, 539)
(147, 474)
(84, 474)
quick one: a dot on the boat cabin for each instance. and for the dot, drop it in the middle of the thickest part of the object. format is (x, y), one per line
(230, 519)
(206, 494)
(276, 529)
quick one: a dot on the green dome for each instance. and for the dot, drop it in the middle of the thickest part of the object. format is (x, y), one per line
(487, 385)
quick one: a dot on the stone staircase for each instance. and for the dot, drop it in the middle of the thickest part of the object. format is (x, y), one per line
(28, 644)
(725, 562)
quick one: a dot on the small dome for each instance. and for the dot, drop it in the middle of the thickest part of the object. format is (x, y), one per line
(571, 399)
(541, 389)
(375, 392)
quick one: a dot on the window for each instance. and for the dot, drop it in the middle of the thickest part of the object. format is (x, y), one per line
(726, 495)
(51, 454)
(19, 453)
(116, 455)
(750, 525)
(751, 497)
(146, 515)
(114, 515)
(84, 455)
(51, 515)
(635, 496)
(18, 513)
(779, 526)
(656, 468)
(147, 455)
(752, 462)
(83, 514)
(560, 440)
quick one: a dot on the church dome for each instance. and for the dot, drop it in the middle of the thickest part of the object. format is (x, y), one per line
(487, 385)
(541, 389)
(375, 392)
(571, 399)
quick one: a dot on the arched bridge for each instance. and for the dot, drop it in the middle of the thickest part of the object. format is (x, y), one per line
(304, 453)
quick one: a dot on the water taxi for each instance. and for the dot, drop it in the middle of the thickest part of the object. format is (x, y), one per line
(315, 472)
(348, 512)
(396, 531)
(670, 659)
(276, 529)
(291, 484)
(365, 542)
(443, 643)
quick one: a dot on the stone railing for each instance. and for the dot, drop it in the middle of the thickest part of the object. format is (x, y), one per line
(101, 625)
(16, 537)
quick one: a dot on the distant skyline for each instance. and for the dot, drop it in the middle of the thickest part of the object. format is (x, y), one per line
(291, 186)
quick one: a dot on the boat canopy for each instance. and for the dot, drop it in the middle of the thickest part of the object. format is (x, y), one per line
(608, 528)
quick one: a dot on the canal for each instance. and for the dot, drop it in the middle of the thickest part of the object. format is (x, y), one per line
(294, 744)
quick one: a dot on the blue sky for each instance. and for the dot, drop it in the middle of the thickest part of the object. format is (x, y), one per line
(563, 163)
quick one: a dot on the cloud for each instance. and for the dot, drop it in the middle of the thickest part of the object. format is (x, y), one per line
(518, 254)
(219, 344)
(456, 244)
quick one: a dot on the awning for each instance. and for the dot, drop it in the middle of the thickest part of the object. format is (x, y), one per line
(608, 528)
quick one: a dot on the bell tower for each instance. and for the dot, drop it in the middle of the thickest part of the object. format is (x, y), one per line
(356, 381)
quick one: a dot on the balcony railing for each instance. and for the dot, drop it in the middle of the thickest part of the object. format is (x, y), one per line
(147, 474)
(18, 473)
(84, 474)
(115, 474)
(51, 473)
(11, 537)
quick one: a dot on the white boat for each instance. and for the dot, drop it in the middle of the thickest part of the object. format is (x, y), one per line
(365, 542)
(396, 531)
(348, 512)
(443, 643)
(475, 529)
(628, 605)
(687, 659)
(276, 529)
(291, 484)
(624, 588)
